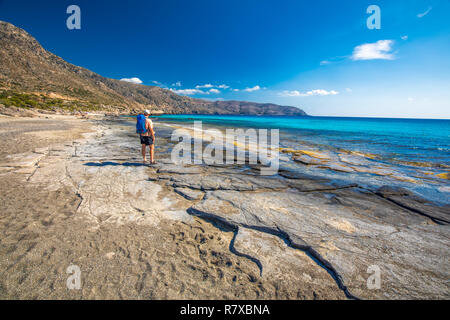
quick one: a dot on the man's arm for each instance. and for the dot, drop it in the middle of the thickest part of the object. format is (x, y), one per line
(150, 129)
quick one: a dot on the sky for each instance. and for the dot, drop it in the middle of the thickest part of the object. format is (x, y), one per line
(316, 55)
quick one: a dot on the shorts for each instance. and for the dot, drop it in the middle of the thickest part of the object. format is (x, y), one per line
(147, 140)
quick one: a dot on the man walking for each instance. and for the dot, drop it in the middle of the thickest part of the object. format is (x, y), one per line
(144, 127)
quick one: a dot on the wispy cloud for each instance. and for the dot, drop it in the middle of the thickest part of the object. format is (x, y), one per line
(370, 51)
(423, 14)
(187, 92)
(209, 85)
(206, 89)
(190, 92)
(316, 92)
(404, 37)
(159, 84)
(333, 60)
(132, 80)
(201, 89)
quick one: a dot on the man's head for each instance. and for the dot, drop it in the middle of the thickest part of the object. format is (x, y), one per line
(146, 113)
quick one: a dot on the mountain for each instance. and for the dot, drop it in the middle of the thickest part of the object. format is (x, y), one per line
(32, 77)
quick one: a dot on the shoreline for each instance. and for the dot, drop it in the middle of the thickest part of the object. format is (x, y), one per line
(341, 165)
(143, 232)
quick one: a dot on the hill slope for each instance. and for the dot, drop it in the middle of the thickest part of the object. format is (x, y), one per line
(33, 77)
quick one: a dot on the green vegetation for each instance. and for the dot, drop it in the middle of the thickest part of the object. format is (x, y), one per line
(41, 101)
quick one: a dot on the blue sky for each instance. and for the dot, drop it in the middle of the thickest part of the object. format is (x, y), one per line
(317, 55)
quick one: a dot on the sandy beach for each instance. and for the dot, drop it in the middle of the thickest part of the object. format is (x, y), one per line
(74, 192)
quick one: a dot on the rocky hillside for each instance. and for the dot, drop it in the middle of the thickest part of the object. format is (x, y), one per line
(32, 77)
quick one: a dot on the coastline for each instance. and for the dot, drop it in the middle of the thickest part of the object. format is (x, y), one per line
(311, 147)
(221, 232)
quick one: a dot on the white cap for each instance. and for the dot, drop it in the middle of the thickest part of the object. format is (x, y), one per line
(147, 111)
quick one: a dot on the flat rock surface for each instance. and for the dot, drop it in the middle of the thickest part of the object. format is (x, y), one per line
(284, 264)
(338, 167)
(217, 181)
(189, 194)
(405, 198)
(22, 160)
(305, 159)
(179, 169)
(412, 254)
(110, 191)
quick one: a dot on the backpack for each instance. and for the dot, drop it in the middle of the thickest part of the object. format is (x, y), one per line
(140, 125)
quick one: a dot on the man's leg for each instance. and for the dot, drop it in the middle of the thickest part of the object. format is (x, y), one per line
(152, 153)
(143, 153)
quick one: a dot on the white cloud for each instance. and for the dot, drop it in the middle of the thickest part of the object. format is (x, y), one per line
(370, 51)
(255, 88)
(209, 85)
(132, 80)
(188, 92)
(404, 37)
(423, 14)
(316, 92)
(214, 88)
(199, 89)
(410, 99)
(208, 88)
(324, 62)
(293, 93)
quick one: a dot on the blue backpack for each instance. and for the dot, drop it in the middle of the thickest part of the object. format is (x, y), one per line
(140, 125)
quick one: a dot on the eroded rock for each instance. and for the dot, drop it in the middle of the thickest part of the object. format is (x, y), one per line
(179, 169)
(413, 202)
(189, 193)
(226, 182)
(22, 160)
(286, 265)
(305, 159)
(413, 258)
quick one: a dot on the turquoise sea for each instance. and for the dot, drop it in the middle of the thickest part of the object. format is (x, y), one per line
(416, 151)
